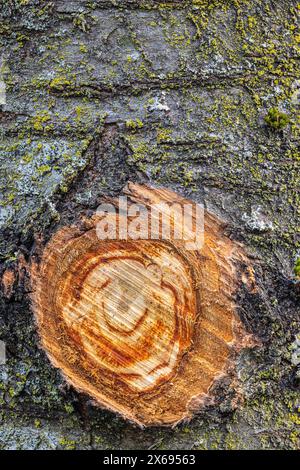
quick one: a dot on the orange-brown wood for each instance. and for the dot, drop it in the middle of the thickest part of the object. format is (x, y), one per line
(145, 327)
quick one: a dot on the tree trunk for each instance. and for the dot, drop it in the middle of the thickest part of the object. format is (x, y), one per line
(198, 97)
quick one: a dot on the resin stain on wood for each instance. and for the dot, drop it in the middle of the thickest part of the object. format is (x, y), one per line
(144, 326)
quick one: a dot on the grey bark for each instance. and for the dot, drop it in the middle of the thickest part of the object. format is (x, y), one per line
(98, 93)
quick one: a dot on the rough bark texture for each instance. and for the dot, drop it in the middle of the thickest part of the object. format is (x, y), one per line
(172, 93)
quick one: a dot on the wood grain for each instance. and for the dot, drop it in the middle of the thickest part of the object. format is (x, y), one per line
(145, 327)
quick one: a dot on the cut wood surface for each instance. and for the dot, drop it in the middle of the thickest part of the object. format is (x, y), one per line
(144, 327)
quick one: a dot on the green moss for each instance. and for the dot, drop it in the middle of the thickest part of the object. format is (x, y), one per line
(297, 268)
(276, 119)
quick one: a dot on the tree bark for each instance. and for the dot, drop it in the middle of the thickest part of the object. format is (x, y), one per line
(200, 97)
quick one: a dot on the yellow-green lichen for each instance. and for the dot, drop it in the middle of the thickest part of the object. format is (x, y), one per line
(297, 268)
(134, 124)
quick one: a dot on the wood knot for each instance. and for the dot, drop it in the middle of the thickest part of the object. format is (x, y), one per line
(144, 326)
